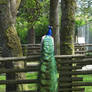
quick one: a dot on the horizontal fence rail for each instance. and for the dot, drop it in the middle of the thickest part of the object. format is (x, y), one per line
(18, 81)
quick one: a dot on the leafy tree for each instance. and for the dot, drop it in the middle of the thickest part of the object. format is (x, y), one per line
(83, 13)
(80, 21)
(40, 25)
(30, 11)
(84, 9)
(45, 7)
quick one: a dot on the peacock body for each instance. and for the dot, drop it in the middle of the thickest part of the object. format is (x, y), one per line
(48, 70)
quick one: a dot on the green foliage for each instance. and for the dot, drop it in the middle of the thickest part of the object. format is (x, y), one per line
(41, 28)
(32, 14)
(84, 9)
(21, 27)
(30, 11)
(80, 22)
(45, 7)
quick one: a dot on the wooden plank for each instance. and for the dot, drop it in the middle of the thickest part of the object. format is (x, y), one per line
(27, 58)
(88, 44)
(81, 61)
(71, 89)
(33, 66)
(80, 51)
(38, 57)
(86, 72)
(31, 58)
(18, 81)
(83, 45)
(33, 48)
(30, 44)
(32, 54)
(89, 51)
(69, 56)
(70, 68)
(67, 79)
(77, 84)
(35, 69)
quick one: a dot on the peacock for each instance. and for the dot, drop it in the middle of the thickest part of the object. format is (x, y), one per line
(48, 71)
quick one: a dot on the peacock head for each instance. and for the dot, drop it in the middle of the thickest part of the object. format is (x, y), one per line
(49, 33)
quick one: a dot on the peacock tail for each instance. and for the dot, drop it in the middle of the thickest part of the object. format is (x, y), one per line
(48, 71)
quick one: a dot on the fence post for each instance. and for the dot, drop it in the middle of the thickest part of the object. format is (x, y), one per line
(62, 77)
(10, 76)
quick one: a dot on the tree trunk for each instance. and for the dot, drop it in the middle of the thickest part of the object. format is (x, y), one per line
(54, 22)
(9, 40)
(67, 35)
(67, 27)
(31, 36)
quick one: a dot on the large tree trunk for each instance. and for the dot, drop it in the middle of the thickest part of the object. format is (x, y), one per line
(67, 35)
(67, 27)
(9, 40)
(54, 22)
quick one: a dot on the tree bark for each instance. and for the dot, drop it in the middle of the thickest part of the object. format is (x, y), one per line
(9, 40)
(54, 22)
(31, 36)
(67, 34)
(67, 27)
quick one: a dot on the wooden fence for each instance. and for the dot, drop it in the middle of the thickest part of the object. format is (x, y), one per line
(32, 69)
(34, 49)
(69, 70)
(31, 49)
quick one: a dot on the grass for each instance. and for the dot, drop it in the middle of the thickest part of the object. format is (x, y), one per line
(87, 78)
(32, 76)
(2, 87)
